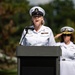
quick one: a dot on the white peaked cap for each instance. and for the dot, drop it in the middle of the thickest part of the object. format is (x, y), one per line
(67, 30)
(39, 8)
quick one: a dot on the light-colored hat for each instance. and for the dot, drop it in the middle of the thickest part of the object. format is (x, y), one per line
(67, 30)
(36, 10)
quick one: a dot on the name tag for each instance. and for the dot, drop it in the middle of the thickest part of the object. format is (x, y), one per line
(44, 33)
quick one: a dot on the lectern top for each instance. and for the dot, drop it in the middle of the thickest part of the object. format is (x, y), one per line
(38, 51)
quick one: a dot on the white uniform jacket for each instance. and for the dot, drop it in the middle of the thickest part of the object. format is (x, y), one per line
(68, 51)
(44, 37)
(67, 60)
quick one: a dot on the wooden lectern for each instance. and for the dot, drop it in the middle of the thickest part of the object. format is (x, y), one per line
(38, 60)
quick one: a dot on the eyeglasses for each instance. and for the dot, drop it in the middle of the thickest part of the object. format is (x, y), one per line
(66, 34)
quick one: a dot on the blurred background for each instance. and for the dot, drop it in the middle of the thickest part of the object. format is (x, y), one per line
(14, 17)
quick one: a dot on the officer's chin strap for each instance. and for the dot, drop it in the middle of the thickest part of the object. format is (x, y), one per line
(26, 29)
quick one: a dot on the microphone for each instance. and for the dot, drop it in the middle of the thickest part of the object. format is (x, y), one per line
(31, 28)
(27, 28)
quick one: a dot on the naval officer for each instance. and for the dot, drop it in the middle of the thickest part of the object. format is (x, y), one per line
(67, 60)
(37, 34)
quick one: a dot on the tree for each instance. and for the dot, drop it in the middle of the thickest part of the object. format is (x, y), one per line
(58, 12)
(13, 18)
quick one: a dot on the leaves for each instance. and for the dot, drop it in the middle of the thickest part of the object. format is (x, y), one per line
(14, 16)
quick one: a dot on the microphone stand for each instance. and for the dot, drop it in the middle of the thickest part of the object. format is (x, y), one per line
(27, 28)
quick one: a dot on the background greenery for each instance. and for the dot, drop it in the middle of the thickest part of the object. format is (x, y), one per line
(14, 17)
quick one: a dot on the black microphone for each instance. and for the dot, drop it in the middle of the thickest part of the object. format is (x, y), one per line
(26, 28)
(29, 28)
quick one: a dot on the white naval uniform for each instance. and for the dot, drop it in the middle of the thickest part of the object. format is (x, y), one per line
(44, 37)
(67, 60)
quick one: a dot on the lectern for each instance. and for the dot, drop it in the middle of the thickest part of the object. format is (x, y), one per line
(38, 60)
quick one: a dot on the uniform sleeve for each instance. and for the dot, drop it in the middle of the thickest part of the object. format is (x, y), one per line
(71, 53)
(51, 39)
(58, 44)
(22, 40)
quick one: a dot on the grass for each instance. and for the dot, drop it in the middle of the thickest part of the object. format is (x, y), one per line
(8, 72)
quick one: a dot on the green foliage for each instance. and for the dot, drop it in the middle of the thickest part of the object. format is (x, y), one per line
(59, 13)
(14, 16)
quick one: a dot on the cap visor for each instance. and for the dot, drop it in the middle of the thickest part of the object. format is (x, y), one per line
(37, 13)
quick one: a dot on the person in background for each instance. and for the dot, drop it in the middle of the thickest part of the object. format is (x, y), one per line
(37, 34)
(67, 60)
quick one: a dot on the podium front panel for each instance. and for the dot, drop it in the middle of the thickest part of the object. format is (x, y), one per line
(38, 66)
